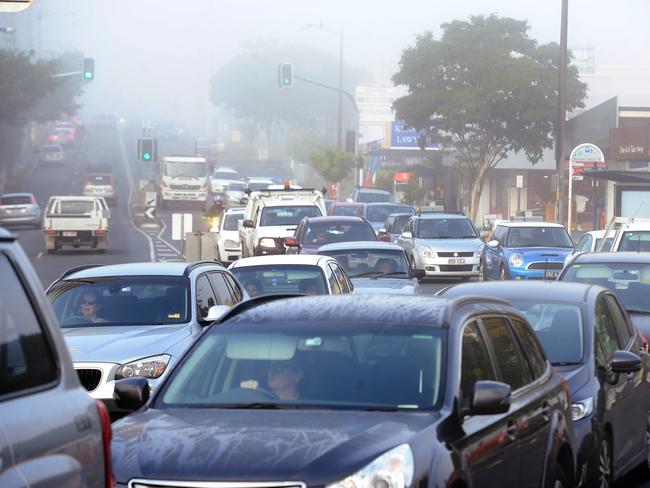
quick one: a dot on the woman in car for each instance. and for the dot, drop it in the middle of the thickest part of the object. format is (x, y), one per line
(90, 306)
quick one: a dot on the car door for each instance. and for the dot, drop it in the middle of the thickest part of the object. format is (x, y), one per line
(486, 449)
(205, 296)
(407, 242)
(493, 256)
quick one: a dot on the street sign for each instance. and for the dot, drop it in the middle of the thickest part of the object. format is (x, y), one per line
(181, 225)
(581, 154)
(150, 199)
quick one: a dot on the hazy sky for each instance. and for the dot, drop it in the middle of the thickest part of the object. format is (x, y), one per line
(158, 55)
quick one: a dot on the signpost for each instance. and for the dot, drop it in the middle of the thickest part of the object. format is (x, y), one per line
(581, 154)
(150, 205)
(181, 225)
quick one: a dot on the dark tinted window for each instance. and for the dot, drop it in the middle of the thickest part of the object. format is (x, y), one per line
(222, 290)
(605, 331)
(514, 371)
(99, 180)
(331, 278)
(345, 287)
(329, 233)
(475, 365)
(346, 211)
(204, 296)
(236, 290)
(620, 323)
(635, 241)
(289, 215)
(371, 197)
(26, 359)
(538, 237)
(379, 213)
(282, 279)
(17, 200)
(534, 354)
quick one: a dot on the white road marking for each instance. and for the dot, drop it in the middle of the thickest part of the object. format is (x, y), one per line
(39, 255)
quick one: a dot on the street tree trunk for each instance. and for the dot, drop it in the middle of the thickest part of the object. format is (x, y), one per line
(477, 189)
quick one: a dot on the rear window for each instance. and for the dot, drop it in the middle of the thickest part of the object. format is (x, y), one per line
(379, 213)
(635, 241)
(76, 207)
(17, 200)
(265, 280)
(347, 211)
(99, 180)
(322, 233)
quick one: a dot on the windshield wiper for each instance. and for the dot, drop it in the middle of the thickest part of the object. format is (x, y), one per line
(361, 275)
(392, 273)
(640, 312)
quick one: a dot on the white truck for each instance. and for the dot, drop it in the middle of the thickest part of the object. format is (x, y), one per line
(75, 221)
(630, 234)
(183, 179)
(273, 215)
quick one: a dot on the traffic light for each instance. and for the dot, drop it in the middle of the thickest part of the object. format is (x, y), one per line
(147, 149)
(285, 75)
(89, 69)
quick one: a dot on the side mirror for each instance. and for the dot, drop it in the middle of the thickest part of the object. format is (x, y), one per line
(214, 313)
(493, 244)
(419, 274)
(625, 362)
(483, 234)
(132, 393)
(249, 223)
(490, 398)
(290, 242)
(406, 235)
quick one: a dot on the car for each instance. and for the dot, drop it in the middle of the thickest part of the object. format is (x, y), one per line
(590, 241)
(375, 267)
(394, 225)
(367, 195)
(51, 153)
(100, 185)
(53, 433)
(631, 234)
(347, 209)
(627, 274)
(313, 232)
(280, 274)
(228, 243)
(328, 205)
(220, 179)
(592, 343)
(525, 251)
(20, 208)
(353, 391)
(442, 244)
(136, 319)
(377, 212)
(76, 221)
(235, 193)
(62, 135)
(257, 184)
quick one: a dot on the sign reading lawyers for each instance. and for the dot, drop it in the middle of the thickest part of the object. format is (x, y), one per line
(403, 137)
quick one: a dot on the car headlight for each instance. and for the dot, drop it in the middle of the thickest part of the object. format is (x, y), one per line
(230, 243)
(426, 251)
(393, 469)
(582, 409)
(267, 242)
(516, 260)
(151, 367)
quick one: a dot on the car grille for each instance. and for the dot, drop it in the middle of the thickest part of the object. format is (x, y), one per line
(89, 378)
(139, 483)
(455, 254)
(550, 265)
(184, 187)
(455, 267)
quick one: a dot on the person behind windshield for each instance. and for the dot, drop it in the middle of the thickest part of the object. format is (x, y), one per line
(90, 306)
(282, 378)
(386, 265)
(252, 288)
(309, 287)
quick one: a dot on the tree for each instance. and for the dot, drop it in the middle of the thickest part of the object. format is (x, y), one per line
(330, 164)
(487, 89)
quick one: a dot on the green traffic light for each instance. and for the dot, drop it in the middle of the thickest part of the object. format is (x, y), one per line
(146, 156)
(88, 75)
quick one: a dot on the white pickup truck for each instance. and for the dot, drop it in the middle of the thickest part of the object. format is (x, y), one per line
(75, 221)
(273, 215)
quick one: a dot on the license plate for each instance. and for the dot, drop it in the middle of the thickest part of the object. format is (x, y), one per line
(456, 260)
(69, 234)
(551, 274)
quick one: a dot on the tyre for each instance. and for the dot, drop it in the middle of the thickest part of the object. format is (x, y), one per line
(560, 479)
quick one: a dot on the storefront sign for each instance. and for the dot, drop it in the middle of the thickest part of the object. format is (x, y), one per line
(630, 143)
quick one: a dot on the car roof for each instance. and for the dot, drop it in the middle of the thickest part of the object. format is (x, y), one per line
(436, 216)
(637, 226)
(528, 224)
(16, 195)
(347, 204)
(235, 210)
(134, 269)
(598, 233)
(401, 214)
(562, 291)
(373, 190)
(97, 173)
(383, 204)
(352, 245)
(279, 259)
(335, 218)
(612, 257)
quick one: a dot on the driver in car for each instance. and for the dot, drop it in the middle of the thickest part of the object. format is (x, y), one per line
(282, 378)
(90, 306)
(386, 265)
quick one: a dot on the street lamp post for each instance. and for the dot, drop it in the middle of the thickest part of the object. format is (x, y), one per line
(559, 150)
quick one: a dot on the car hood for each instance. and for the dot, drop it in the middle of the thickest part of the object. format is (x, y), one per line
(576, 376)
(120, 344)
(542, 253)
(247, 445)
(387, 286)
(642, 322)
(451, 245)
(276, 231)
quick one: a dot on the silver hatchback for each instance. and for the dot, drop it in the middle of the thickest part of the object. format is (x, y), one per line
(20, 208)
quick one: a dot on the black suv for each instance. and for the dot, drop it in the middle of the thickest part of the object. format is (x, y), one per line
(339, 391)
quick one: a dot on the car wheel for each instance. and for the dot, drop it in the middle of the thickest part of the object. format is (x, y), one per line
(559, 478)
(605, 477)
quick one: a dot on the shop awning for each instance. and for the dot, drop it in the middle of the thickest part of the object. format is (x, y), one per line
(620, 176)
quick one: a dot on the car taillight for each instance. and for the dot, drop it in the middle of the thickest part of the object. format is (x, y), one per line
(32, 200)
(107, 436)
(69, 137)
(49, 231)
(100, 232)
(52, 137)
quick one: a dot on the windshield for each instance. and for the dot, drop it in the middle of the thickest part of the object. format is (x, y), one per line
(320, 234)
(236, 186)
(630, 281)
(635, 241)
(185, 170)
(372, 197)
(559, 327)
(231, 221)
(126, 300)
(347, 211)
(538, 237)
(445, 229)
(322, 365)
(281, 278)
(379, 213)
(362, 262)
(257, 186)
(17, 200)
(288, 215)
(225, 175)
(400, 222)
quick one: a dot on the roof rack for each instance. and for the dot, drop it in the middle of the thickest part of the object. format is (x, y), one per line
(253, 302)
(197, 264)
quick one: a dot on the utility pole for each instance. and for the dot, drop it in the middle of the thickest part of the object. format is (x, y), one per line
(559, 148)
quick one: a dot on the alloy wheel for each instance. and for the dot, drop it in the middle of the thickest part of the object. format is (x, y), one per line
(604, 464)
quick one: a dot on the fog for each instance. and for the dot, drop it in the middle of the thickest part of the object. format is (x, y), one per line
(154, 59)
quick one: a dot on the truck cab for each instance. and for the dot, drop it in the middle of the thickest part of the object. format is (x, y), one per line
(183, 179)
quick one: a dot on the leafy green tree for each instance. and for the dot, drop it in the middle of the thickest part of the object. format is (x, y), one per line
(413, 193)
(488, 89)
(330, 164)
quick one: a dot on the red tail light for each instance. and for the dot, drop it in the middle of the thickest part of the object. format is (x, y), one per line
(69, 137)
(107, 436)
(49, 231)
(100, 232)
(32, 200)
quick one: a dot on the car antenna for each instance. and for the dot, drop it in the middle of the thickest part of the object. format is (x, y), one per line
(638, 209)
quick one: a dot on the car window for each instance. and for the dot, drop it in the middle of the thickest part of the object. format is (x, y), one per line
(583, 245)
(205, 297)
(221, 289)
(340, 276)
(329, 233)
(26, 359)
(334, 284)
(638, 241)
(618, 318)
(475, 363)
(512, 366)
(538, 237)
(606, 337)
(236, 289)
(499, 234)
(16, 200)
(282, 278)
(441, 228)
(534, 353)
